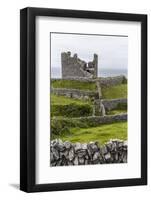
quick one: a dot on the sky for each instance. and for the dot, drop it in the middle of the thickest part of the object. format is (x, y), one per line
(112, 51)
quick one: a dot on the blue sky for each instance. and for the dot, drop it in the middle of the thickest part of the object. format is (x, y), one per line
(112, 50)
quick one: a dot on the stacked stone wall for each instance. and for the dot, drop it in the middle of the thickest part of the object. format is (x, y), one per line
(111, 104)
(104, 81)
(112, 81)
(67, 153)
(74, 93)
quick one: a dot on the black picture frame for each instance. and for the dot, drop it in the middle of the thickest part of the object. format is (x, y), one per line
(28, 98)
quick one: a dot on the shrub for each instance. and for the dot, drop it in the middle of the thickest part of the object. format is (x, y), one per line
(71, 110)
(61, 125)
(124, 80)
(122, 106)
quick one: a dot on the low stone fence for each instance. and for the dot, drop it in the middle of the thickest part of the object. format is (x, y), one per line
(83, 122)
(112, 104)
(74, 93)
(104, 81)
(67, 153)
(82, 79)
(107, 119)
(112, 81)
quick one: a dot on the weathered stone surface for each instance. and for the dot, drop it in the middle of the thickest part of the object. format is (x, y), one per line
(104, 119)
(107, 156)
(74, 93)
(93, 147)
(55, 154)
(75, 67)
(96, 155)
(104, 150)
(67, 153)
(81, 161)
(67, 145)
(84, 146)
(77, 147)
(104, 81)
(81, 153)
(75, 162)
(111, 81)
(71, 154)
(111, 104)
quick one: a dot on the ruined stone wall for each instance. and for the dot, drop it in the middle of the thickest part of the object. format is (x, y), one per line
(75, 67)
(90, 120)
(107, 119)
(67, 153)
(70, 66)
(112, 81)
(74, 93)
(104, 81)
(111, 104)
(114, 103)
(82, 79)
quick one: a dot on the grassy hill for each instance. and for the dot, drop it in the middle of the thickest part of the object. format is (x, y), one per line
(64, 111)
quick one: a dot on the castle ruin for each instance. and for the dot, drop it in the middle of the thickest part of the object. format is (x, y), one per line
(75, 67)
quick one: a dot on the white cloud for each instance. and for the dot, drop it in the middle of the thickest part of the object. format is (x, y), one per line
(112, 50)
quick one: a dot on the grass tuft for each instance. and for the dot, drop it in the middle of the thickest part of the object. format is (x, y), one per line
(73, 84)
(115, 92)
(102, 133)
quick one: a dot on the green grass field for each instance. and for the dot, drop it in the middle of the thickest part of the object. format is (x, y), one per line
(61, 100)
(116, 112)
(68, 107)
(64, 111)
(73, 84)
(114, 92)
(102, 133)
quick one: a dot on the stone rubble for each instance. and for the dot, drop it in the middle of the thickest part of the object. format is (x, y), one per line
(67, 153)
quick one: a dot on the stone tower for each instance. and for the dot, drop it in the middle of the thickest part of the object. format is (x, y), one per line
(75, 67)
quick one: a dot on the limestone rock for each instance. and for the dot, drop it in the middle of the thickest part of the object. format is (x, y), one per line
(67, 153)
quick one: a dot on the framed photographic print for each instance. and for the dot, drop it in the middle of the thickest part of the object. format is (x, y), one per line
(83, 99)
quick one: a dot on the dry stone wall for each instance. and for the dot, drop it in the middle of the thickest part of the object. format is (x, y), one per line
(74, 93)
(111, 104)
(67, 153)
(112, 81)
(88, 121)
(98, 120)
(105, 81)
(82, 79)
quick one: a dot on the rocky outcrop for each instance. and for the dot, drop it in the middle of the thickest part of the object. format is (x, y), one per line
(67, 153)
